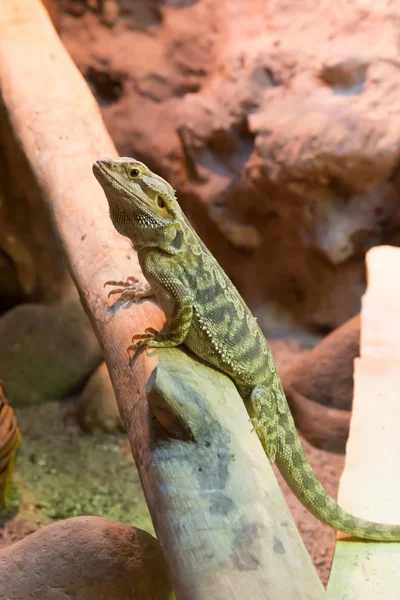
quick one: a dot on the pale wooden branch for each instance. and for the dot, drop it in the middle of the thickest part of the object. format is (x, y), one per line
(370, 484)
(219, 515)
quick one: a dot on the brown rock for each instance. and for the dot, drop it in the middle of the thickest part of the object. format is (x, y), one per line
(46, 352)
(319, 387)
(110, 11)
(86, 558)
(325, 373)
(324, 427)
(286, 352)
(97, 407)
(281, 146)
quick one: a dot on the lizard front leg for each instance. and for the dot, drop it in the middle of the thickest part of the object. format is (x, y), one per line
(179, 324)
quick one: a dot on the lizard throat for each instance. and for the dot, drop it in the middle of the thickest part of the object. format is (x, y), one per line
(128, 221)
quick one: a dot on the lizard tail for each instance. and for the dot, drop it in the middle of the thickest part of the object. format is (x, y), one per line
(298, 474)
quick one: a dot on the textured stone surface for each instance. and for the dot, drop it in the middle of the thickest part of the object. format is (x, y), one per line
(86, 558)
(46, 352)
(97, 408)
(275, 123)
(325, 373)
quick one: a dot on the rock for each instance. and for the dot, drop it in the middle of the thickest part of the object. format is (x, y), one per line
(46, 351)
(281, 146)
(325, 373)
(324, 427)
(286, 352)
(97, 408)
(319, 387)
(85, 558)
(110, 11)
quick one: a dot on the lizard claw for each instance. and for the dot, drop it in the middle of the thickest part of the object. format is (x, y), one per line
(139, 343)
(144, 340)
(132, 288)
(151, 331)
(131, 350)
(117, 291)
(112, 282)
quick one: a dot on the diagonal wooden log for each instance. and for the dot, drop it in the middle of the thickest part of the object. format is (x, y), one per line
(220, 517)
(370, 484)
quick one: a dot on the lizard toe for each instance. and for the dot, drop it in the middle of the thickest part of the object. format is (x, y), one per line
(142, 336)
(113, 282)
(151, 331)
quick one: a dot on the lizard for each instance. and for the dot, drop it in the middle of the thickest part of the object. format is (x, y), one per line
(206, 313)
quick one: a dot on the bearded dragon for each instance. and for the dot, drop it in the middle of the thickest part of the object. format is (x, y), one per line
(206, 313)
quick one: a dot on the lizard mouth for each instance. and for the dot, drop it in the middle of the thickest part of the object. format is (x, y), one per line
(102, 175)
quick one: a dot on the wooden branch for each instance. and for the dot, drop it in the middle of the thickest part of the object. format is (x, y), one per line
(219, 515)
(370, 484)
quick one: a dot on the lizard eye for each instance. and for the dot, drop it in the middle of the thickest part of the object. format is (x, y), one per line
(160, 202)
(134, 172)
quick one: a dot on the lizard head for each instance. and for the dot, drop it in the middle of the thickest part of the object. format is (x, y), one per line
(139, 200)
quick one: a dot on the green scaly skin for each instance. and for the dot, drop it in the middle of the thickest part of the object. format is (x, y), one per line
(206, 313)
